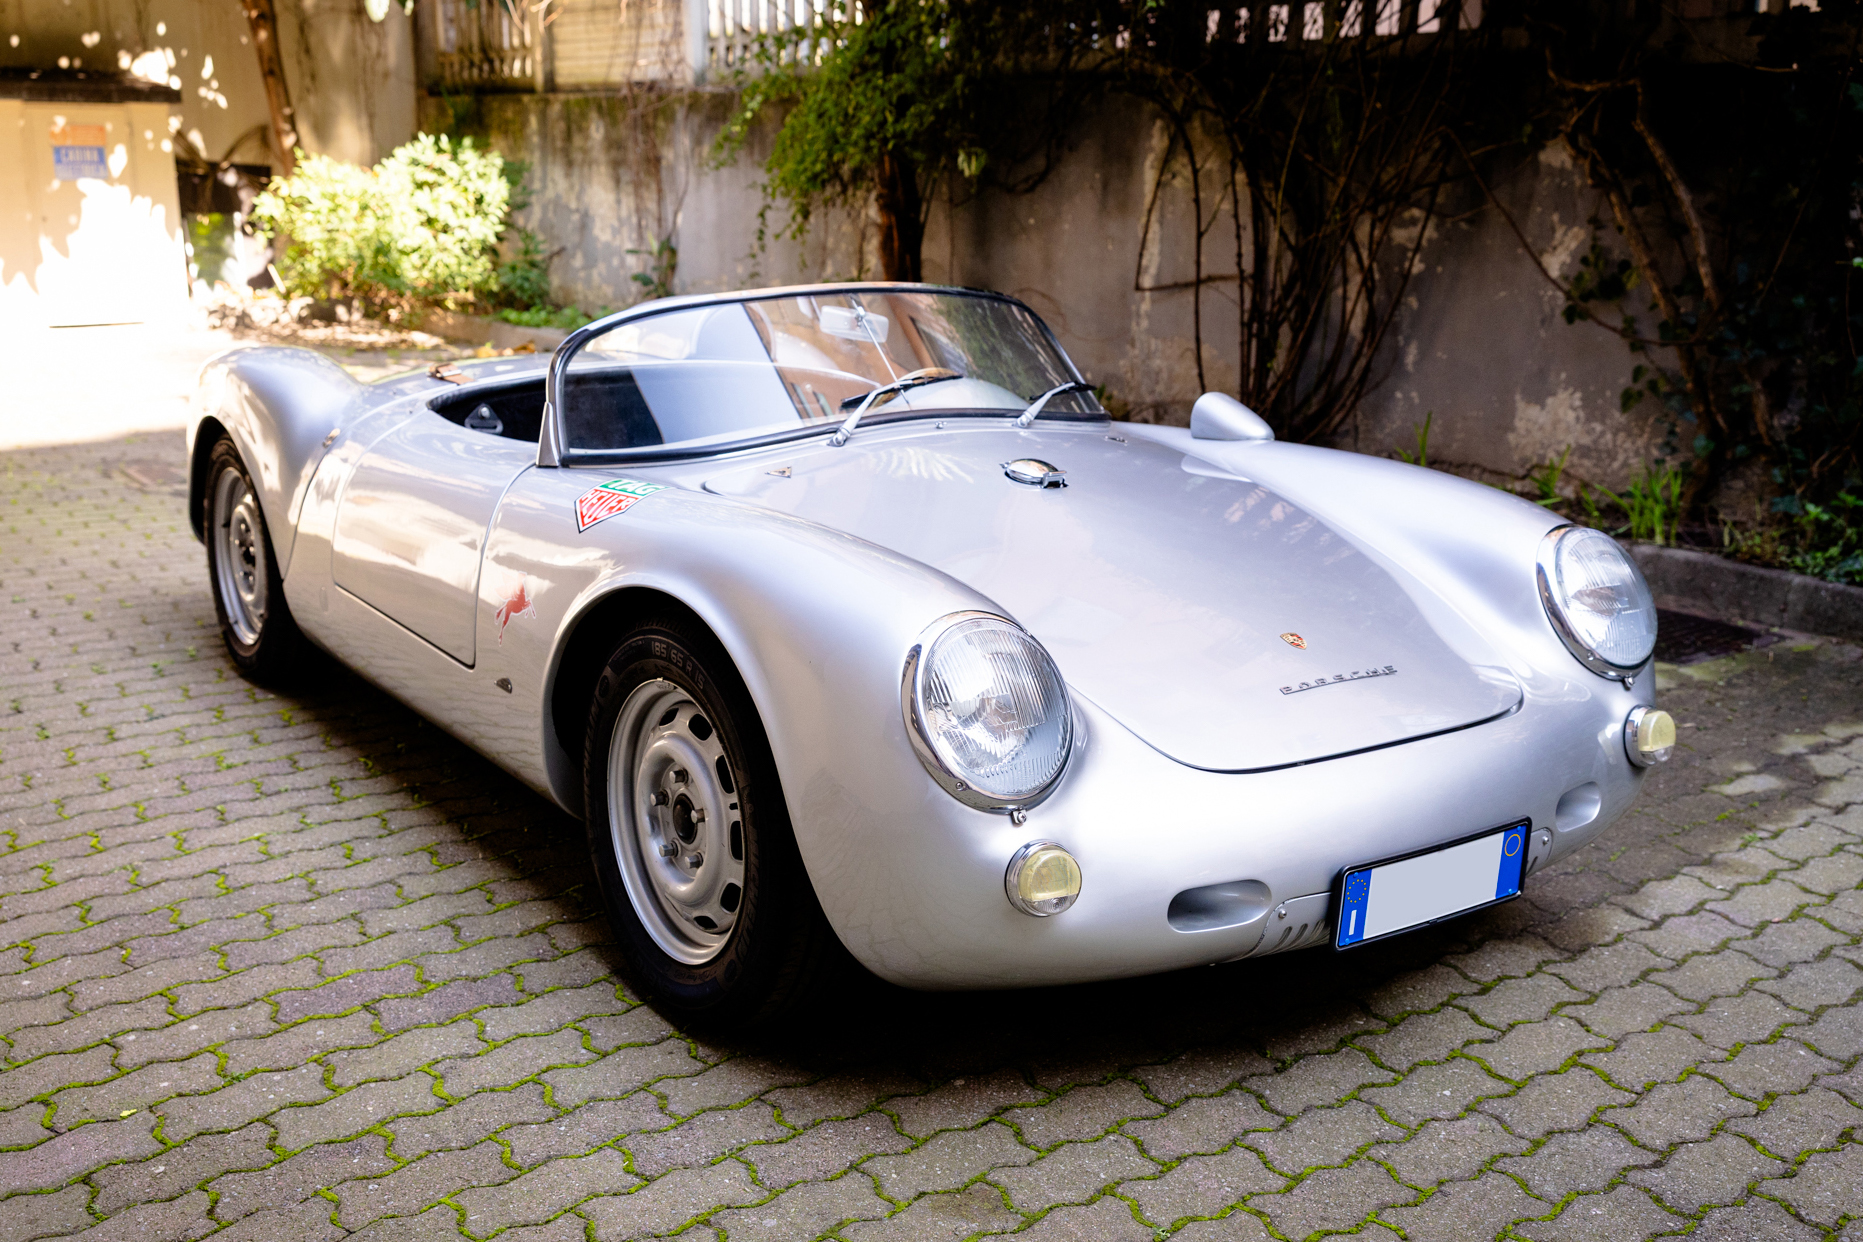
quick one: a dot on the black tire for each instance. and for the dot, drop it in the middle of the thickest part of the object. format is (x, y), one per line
(669, 690)
(242, 570)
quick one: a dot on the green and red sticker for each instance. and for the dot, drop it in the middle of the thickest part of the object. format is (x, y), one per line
(598, 504)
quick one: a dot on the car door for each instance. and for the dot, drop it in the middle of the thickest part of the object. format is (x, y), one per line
(410, 527)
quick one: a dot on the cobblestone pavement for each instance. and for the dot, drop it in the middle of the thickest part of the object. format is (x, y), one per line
(301, 968)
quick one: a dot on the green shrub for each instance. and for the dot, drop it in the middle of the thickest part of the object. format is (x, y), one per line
(524, 278)
(1830, 538)
(422, 226)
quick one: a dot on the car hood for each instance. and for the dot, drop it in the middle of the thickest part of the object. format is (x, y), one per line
(1225, 625)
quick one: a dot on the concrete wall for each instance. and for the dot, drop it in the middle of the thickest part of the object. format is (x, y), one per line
(1480, 345)
(352, 80)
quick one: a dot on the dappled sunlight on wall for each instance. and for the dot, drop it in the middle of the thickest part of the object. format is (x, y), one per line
(90, 230)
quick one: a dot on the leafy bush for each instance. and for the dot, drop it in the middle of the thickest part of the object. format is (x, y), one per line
(421, 226)
(524, 278)
(1830, 539)
(568, 318)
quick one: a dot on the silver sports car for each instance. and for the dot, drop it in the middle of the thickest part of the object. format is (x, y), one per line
(846, 614)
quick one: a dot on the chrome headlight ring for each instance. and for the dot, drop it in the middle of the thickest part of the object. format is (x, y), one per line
(929, 700)
(1570, 552)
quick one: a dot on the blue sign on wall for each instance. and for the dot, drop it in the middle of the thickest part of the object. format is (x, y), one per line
(73, 163)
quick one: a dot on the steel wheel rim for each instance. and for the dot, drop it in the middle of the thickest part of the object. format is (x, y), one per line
(671, 821)
(239, 556)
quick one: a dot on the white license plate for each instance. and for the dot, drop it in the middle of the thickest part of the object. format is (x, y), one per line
(1382, 899)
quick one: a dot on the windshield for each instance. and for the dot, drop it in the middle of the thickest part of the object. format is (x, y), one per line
(736, 371)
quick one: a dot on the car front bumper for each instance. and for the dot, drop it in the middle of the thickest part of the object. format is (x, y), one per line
(924, 907)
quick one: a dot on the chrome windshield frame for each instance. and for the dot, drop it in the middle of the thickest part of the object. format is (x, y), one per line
(553, 450)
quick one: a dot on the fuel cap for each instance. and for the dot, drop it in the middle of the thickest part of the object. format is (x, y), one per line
(1035, 473)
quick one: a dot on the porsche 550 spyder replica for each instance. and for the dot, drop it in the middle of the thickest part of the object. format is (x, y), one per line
(846, 613)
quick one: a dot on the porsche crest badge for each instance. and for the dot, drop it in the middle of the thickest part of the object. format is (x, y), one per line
(1294, 640)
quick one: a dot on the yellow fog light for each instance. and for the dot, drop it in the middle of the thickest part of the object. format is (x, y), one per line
(1649, 735)
(1042, 879)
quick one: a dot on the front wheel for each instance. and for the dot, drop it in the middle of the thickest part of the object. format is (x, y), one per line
(248, 593)
(690, 838)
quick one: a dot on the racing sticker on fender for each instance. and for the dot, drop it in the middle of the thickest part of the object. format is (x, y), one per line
(1340, 679)
(517, 604)
(598, 504)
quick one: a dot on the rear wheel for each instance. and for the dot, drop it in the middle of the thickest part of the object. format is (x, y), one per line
(248, 593)
(690, 838)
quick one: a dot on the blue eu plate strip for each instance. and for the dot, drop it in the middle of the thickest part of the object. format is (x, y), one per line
(1352, 907)
(1513, 859)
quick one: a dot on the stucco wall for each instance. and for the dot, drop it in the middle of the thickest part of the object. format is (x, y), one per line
(351, 79)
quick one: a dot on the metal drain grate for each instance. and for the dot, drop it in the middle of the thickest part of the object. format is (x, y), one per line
(1683, 638)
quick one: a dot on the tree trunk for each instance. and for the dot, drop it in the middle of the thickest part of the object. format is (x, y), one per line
(902, 219)
(263, 19)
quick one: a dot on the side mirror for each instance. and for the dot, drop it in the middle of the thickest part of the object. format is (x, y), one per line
(1218, 416)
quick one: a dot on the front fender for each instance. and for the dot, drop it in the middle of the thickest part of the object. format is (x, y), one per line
(278, 404)
(818, 624)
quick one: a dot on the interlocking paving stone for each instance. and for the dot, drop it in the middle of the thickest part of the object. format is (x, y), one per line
(1073, 1172)
(268, 921)
(46, 1216)
(1575, 1161)
(1678, 1112)
(298, 1177)
(702, 1139)
(1202, 1186)
(1202, 1071)
(469, 1120)
(1445, 1150)
(949, 1160)
(1536, 1047)
(1423, 1037)
(169, 1173)
(667, 1202)
(1648, 1057)
(1332, 1199)
(1444, 1090)
(950, 1214)
(1201, 1125)
(805, 1210)
(1752, 1220)
(1319, 1080)
(177, 1219)
(539, 1135)
(825, 1149)
(359, 1108)
(1799, 1123)
(1766, 1069)
(59, 1159)
(1081, 1113)
(1742, 1019)
(1323, 1136)
(1698, 1175)
(1826, 1187)
(1626, 1212)
(1462, 1210)
(136, 1089)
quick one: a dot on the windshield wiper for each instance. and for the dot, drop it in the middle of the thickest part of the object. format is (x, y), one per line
(864, 402)
(1040, 403)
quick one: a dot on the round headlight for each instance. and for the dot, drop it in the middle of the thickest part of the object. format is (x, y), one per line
(987, 711)
(1597, 599)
